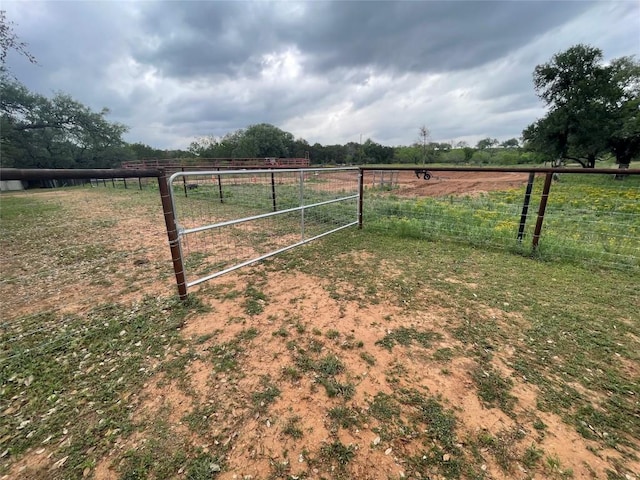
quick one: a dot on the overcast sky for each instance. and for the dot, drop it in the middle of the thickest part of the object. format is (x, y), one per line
(329, 72)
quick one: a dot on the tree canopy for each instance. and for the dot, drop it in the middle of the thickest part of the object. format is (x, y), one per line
(58, 132)
(41, 132)
(262, 140)
(593, 107)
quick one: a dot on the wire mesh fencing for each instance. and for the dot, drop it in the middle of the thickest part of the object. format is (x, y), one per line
(228, 219)
(589, 219)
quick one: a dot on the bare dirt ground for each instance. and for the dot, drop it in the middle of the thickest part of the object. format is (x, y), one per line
(67, 275)
(458, 183)
(258, 441)
(408, 184)
(299, 310)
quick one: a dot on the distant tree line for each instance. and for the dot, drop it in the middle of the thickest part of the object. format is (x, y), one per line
(593, 113)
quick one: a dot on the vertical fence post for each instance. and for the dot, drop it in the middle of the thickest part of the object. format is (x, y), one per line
(113, 182)
(273, 192)
(220, 187)
(172, 234)
(525, 205)
(184, 183)
(124, 180)
(302, 204)
(360, 196)
(140, 183)
(541, 209)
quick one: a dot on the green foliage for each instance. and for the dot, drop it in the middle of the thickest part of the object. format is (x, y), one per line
(292, 428)
(58, 132)
(593, 107)
(256, 141)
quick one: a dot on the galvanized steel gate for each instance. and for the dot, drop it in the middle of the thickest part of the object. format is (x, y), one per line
(226, 220)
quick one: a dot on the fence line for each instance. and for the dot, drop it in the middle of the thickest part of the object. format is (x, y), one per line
(592, 216)
(587, 216)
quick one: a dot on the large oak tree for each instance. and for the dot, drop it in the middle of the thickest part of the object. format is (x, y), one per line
(593, 107)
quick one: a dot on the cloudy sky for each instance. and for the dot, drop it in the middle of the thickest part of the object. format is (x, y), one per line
(329, 72)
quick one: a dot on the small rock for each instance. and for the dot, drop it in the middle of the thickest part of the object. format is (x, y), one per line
(215, 467)
(446, 457)
(376, 441)
(388, 451)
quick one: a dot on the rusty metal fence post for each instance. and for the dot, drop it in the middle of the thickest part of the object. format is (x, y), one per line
(360, 196)
(541, 209)
(273, 192)
(525, 206)
(220, 188)
(172, 234)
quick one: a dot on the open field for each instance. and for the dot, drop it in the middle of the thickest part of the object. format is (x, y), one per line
(369, 354)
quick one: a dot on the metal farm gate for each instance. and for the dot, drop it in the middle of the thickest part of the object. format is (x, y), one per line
(225, 220)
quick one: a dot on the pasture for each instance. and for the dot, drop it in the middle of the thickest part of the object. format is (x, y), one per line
(403, 350)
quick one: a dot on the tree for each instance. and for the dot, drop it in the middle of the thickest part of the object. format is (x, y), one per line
(487, 143)
(375, 153)
(409, 154)
(143, 151)
(60, 132)
(266, 140)
(204, 147)
(511, 143)
(424, 134)
(593, 107)
(468, 153)
(9, 41)
(624, 141)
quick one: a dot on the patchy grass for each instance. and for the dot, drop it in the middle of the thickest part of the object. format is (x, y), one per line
(292, 428)
(570, 335)
(497, 323)
(65, 378)
(405, 336)
(266, 396)
(345, 417)
(337, 453)
(254, 300)
(493, 389)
